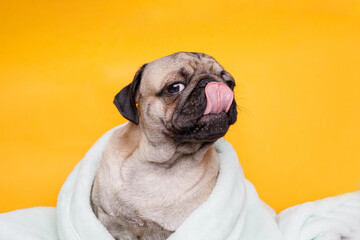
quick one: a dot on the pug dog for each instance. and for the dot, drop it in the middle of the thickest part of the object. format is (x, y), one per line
(161, 165)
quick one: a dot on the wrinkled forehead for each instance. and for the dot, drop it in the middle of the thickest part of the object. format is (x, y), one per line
(157, 73)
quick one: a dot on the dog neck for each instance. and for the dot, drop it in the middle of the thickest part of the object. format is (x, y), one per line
(166, 152)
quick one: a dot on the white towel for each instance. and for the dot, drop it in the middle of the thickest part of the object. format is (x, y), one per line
(232, 211)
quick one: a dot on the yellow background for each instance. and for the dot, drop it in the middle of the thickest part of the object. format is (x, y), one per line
(296, 63)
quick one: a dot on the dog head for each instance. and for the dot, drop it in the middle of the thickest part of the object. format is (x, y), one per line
(187, 97)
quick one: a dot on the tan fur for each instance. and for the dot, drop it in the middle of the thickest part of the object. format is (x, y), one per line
(148, 184)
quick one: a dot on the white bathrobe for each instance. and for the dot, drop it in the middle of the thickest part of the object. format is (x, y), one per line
(233, 210)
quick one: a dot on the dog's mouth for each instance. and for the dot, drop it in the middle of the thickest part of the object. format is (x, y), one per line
(210, 127)
(210, 118)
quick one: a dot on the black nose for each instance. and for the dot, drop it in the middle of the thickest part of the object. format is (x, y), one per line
(203, 82)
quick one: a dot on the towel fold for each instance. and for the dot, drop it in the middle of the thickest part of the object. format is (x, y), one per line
(232, 211)
(330, 218)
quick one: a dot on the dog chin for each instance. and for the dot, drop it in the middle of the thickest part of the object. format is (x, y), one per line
(208, 128)
(211, 127)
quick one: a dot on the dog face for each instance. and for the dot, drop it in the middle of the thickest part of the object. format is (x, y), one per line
(187, 97)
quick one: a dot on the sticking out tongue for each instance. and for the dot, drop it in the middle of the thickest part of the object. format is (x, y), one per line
(219, 98)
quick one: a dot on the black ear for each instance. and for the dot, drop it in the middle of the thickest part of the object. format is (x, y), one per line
(125, 100)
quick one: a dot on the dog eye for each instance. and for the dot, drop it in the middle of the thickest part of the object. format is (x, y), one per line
(230, 84)
(175, 88)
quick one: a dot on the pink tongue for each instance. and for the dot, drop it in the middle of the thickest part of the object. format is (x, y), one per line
(219, 98)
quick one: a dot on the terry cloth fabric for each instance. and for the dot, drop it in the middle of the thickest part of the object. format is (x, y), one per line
(232, 211)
